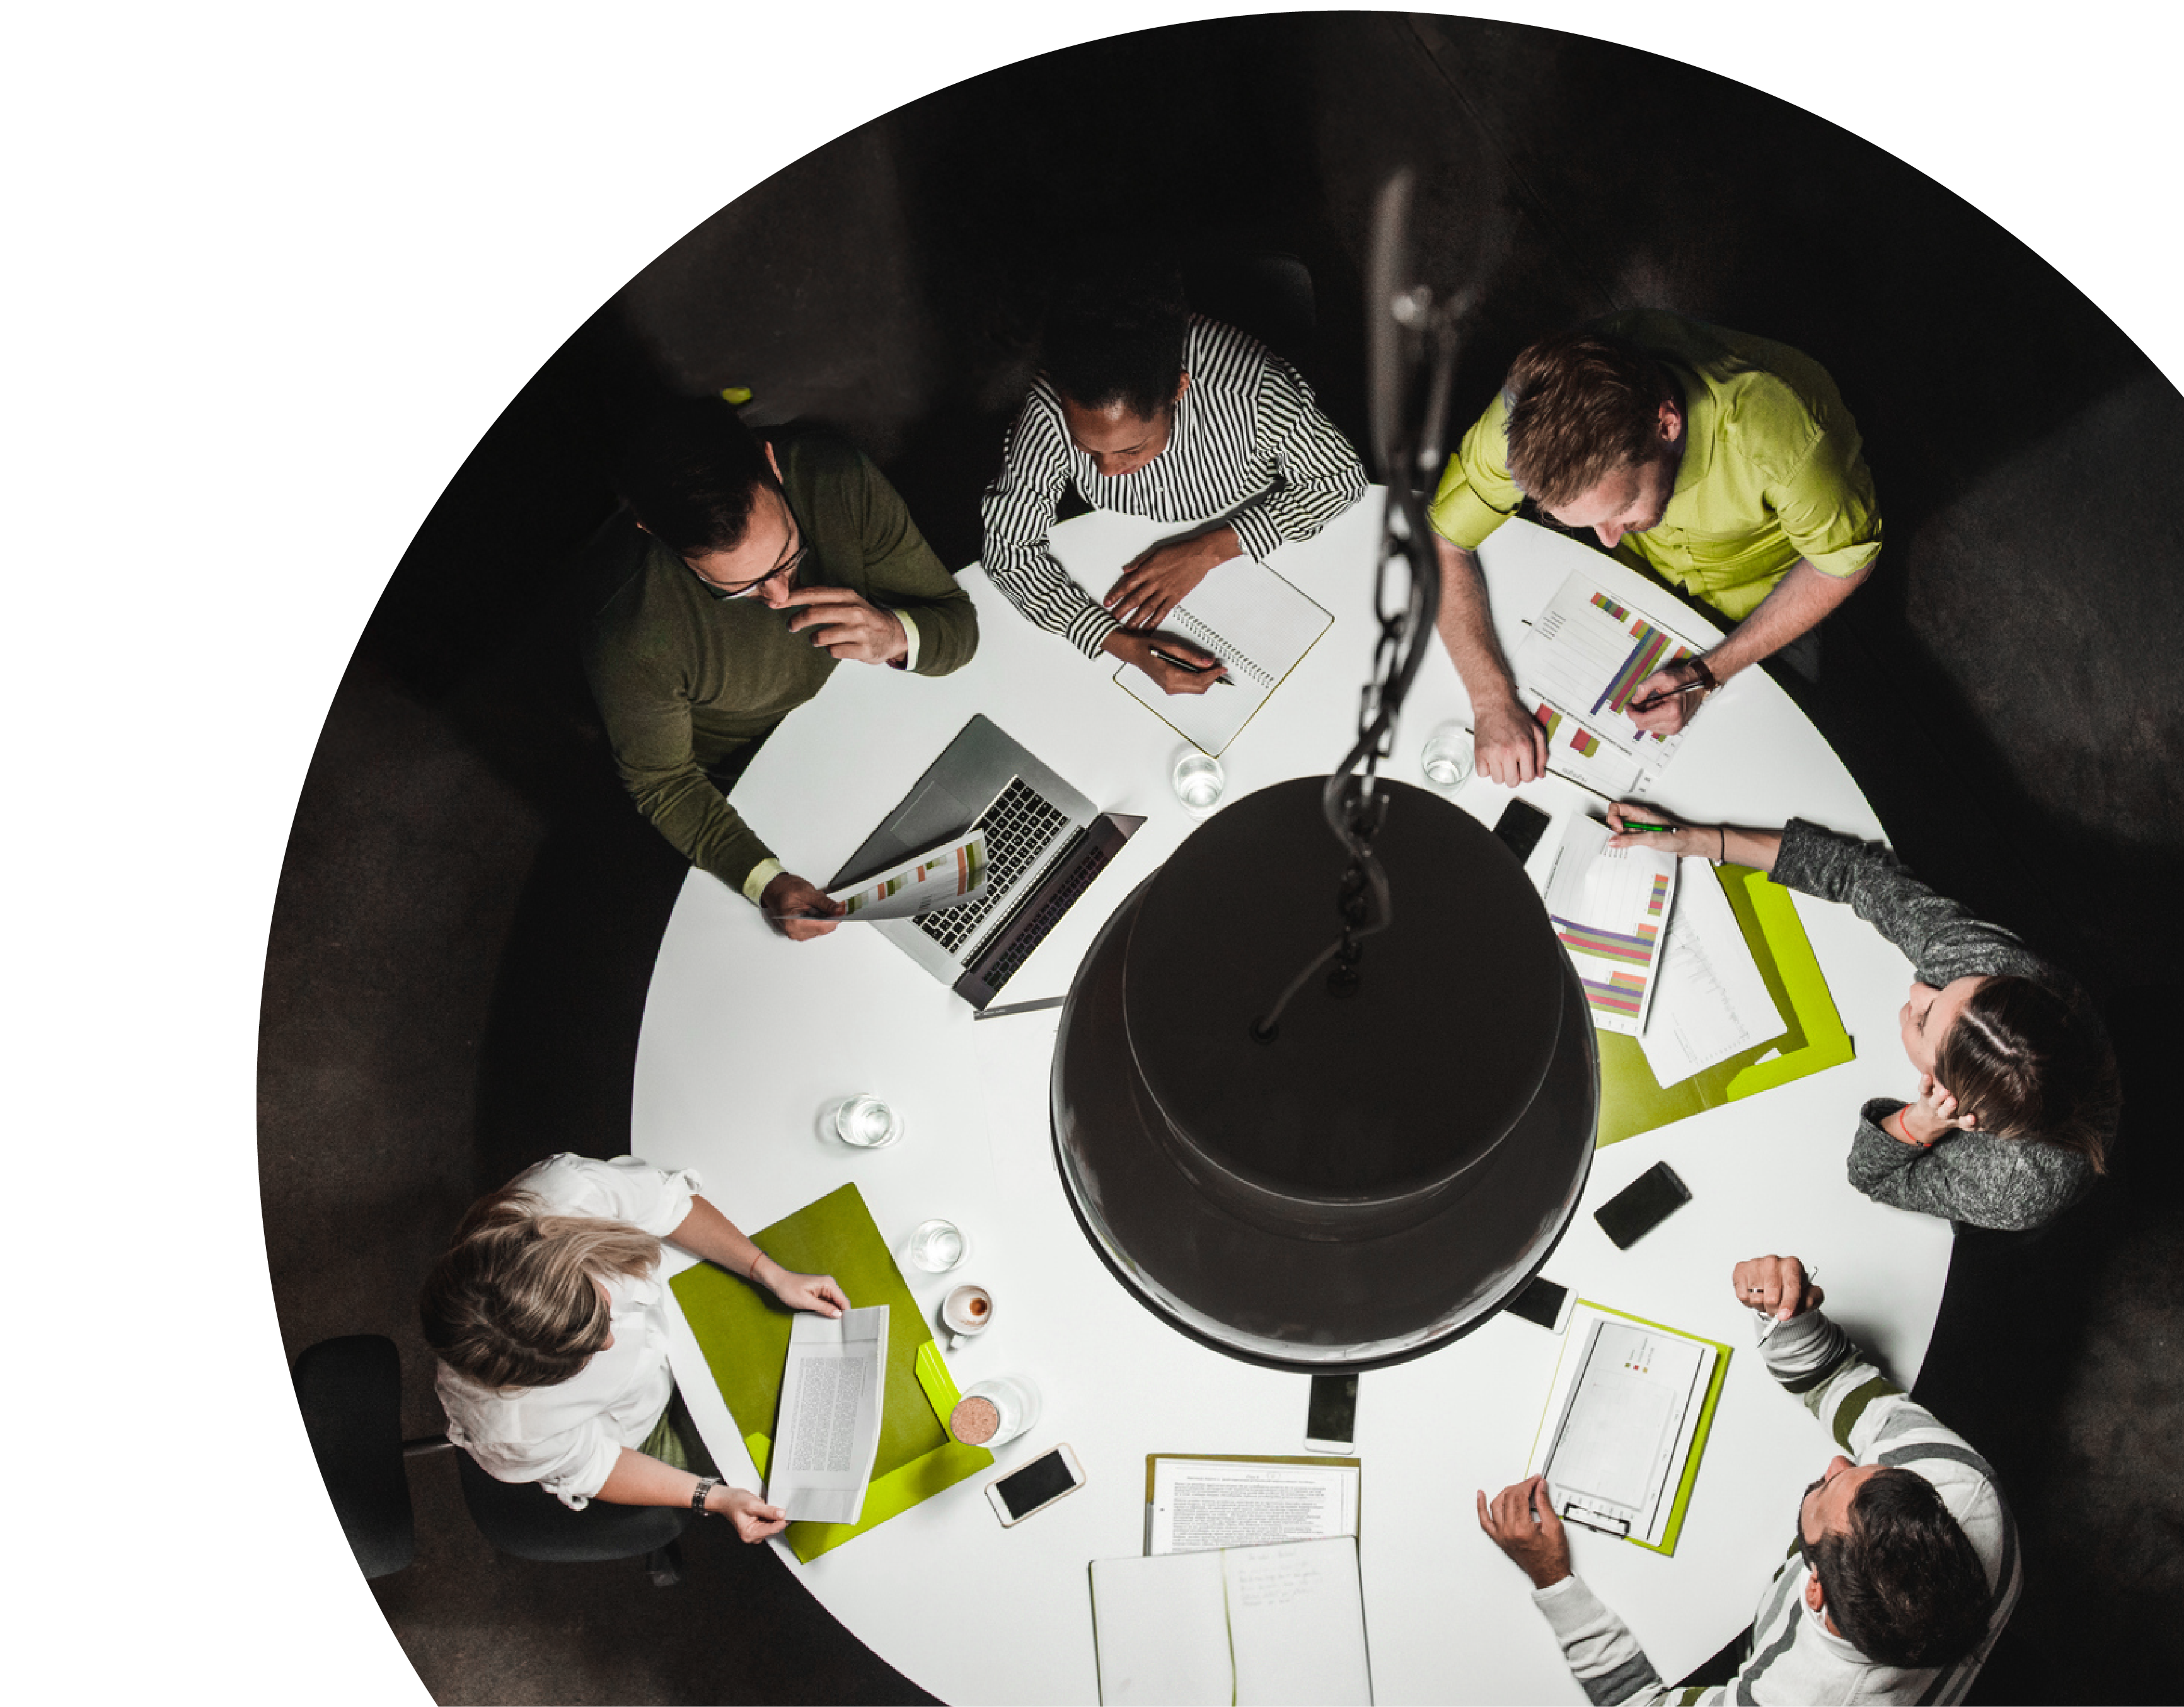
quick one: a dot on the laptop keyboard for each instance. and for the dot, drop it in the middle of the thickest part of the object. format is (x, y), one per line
(1019, 825)
(1085, 865)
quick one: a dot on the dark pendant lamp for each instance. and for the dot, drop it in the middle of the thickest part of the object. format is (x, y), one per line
(1325, 1089)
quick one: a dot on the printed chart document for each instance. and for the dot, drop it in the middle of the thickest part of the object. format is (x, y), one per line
(1255, 622)
(1610, 906)
(829, 1428)
(1199, 1505)
(1260, 1627)
(1625, 1422)
(1577, 669)
(1709, 1002)
(939, 877)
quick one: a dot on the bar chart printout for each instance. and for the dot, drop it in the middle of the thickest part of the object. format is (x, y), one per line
(1579, 667)
(1610, 908)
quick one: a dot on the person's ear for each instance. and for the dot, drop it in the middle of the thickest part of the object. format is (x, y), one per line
(773, 461)
(1815, 1596)
(1671, 422)
(1182, 385)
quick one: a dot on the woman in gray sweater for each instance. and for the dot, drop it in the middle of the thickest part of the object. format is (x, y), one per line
(2018, 1095)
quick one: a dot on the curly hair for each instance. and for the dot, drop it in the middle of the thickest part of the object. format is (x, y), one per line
(1116, 335)
(513, 1303)
(2017, 1062)
(1583, 405)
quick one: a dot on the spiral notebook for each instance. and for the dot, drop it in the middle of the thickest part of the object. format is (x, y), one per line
(1258, 625)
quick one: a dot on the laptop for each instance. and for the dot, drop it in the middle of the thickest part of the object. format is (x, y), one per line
(1045, 844)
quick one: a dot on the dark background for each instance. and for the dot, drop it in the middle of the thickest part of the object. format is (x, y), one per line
(470, 906)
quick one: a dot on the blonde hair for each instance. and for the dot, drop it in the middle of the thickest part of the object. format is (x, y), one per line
(514, 1302)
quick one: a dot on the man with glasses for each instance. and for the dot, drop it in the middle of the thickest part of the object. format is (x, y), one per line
(1725, 463)
(1904, 1568)
(741, 574)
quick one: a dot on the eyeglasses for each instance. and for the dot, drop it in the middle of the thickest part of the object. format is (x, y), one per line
(744, 589)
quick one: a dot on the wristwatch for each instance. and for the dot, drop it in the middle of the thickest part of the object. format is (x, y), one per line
(701, 1493)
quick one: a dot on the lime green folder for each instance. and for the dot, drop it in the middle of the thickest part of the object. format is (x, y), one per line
(1632, 1102)
(744, 1335)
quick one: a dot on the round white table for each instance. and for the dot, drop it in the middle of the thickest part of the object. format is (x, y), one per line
(748, 1039)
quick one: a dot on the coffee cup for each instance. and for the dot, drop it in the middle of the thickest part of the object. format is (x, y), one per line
(994, 1411)
(967, 1310)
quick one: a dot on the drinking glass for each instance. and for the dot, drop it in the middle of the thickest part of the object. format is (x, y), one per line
(1198, 782)
(866, 1123)
(938, 1246)
(1448, 756)
(1015, 1401)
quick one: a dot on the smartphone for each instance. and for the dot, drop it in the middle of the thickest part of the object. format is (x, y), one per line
(1330, 1416)
(1520, 826)
(1036, 1486)
(1544, 1303)
(1642, 1205)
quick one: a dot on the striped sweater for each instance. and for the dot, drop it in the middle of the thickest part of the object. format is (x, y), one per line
(1248, 446)
(1793, 1657)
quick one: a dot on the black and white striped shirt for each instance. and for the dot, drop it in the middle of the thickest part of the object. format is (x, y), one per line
(1248, 445)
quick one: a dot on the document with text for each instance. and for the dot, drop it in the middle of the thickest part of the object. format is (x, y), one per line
(1710, 1002)
(1609, 906)
(828, 1432)
(1197, 1504)
(942, 876)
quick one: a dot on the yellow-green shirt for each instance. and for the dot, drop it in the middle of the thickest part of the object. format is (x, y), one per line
(1771, 470)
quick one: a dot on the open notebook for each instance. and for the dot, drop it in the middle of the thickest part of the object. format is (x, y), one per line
(1255, 622)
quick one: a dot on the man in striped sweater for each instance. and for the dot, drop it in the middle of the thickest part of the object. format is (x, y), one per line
(1903, 1571)
(1157, 412)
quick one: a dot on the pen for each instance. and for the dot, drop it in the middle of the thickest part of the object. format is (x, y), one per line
(1225, 678)
(1632, 826)
(1667, 693)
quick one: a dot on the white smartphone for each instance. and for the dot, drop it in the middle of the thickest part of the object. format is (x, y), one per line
(1330, 1414)
(1038, 1484)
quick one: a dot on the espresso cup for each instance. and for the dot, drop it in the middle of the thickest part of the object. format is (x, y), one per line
(967, 1310)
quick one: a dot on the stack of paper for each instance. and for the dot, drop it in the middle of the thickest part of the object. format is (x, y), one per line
(939, 877)
(1610, 908)
(1577, 670)
(1258, 1625)
(1710, 1002)
(1199, 1505)
(831, 1397)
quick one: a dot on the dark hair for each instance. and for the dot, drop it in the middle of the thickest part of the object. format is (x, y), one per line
(1583, 405)
(2015, 1061)
(1903, 1585)
(1116, 336)
(689, 474)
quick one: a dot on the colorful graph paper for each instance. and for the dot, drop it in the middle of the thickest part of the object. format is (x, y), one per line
(1649, 650)
(1610, 606)
(1621, 994)
(1550, 718)
(1583, 741)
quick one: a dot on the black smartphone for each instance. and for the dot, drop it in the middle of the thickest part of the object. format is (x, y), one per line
(1642, 1205)
(1520, 826)
(1330, 1416)
(1543, 1302)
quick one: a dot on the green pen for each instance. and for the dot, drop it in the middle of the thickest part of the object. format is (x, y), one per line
(1633, 826)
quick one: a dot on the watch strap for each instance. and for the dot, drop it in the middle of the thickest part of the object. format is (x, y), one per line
(702, 1493)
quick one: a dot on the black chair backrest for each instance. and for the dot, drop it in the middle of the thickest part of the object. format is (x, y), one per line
(522, 1519)
(349, 1390)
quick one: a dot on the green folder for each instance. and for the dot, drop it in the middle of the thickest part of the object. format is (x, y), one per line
(1632, 1102)
(744, 1335)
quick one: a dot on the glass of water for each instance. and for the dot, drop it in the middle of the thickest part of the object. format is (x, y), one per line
(1199, 782)
(1448, 756)
(866, 1123)
(938, 1246)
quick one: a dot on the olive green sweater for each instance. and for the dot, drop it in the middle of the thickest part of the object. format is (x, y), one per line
(685, 680)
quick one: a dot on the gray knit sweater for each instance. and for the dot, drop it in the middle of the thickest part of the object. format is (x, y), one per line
(1977, 1177)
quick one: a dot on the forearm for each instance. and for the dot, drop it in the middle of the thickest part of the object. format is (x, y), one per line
(1602, 1654)
(695, 817)
(1466, 624)
(1799, 601)
(1311, 495)
(947, 632)
(706, 1233)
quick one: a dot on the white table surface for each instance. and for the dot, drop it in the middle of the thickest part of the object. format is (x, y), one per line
(749, 1039)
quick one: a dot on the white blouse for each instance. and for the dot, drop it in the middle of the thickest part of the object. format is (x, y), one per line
(567, 1437)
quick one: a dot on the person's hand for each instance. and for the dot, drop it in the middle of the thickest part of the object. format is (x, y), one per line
(1933, 1117)
(1777, 1285)
(1680, 839)
(1156, 581)
(753, 1519)
(1665, 718)
(816, 1293)
(847, 625)
(1134, 646)
(1522, 1522)
(1508, 743)
(797, 910)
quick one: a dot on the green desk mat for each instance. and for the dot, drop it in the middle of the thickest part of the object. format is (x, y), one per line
(743, 1333)
(1631, 1101)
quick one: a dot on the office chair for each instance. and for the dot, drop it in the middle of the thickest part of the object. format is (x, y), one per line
(349, 1390)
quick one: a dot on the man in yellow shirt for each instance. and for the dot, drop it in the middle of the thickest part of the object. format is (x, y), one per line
(1724, 462)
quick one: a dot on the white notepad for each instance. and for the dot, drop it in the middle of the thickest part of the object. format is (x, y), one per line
(1254, 621)
(1260, 1627)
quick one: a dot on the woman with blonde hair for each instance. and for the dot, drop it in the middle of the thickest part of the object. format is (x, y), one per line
(549, 1317)
(2018, 1099)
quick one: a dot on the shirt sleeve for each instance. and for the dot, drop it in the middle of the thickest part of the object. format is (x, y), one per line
(1477, 493)
(620, 1188)
(1319, 475)
(648, 721)
(572, 1465)
(1821, 491)
(1603, 1655)
(1018, 511)
(904, 575)
(2010, 1184)
(1935, 934)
